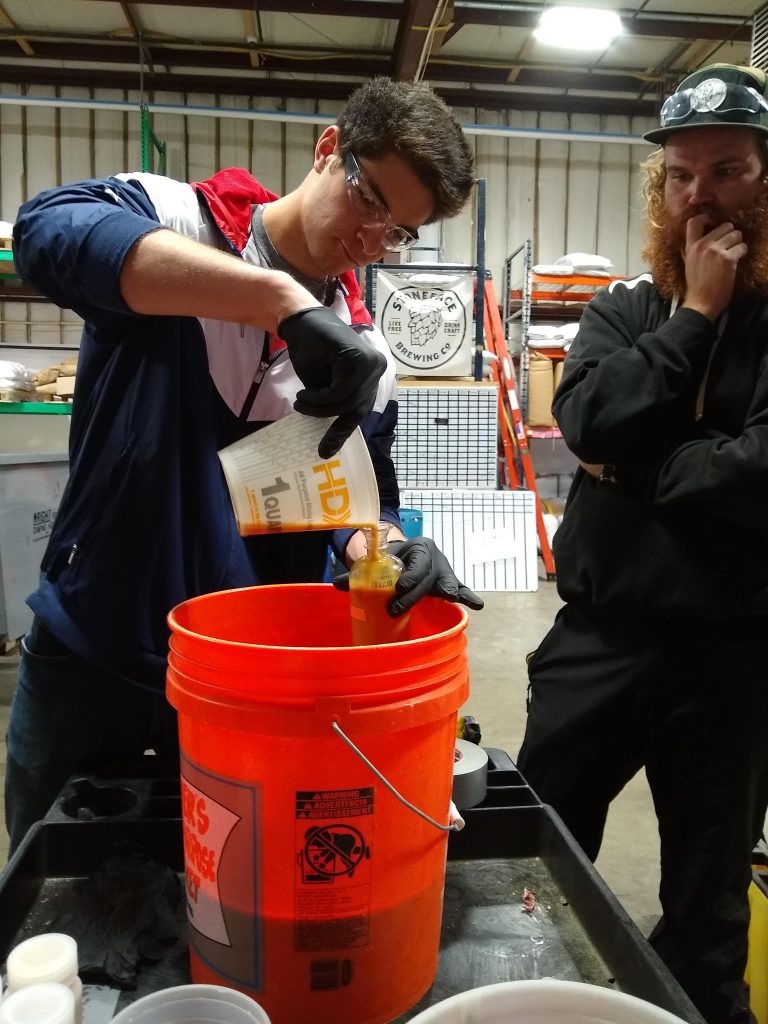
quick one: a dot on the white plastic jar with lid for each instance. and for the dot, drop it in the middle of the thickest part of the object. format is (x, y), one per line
(47, 1002)
(50, 957)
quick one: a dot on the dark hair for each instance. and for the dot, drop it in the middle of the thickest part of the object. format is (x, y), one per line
(409, 119)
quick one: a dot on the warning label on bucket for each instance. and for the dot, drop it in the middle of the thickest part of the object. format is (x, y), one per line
(342, 803)
(333, 858)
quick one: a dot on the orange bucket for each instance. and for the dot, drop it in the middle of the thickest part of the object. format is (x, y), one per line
(310, 886)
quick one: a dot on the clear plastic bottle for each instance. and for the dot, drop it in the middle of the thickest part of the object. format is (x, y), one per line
(372, 580)
(47, 1002)
(51, 957)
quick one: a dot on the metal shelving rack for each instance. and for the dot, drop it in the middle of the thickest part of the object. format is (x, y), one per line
(523, 253)
(549, 297)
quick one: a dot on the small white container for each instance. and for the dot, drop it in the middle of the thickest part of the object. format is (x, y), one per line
(46, 958)
(193, 1004)
(48, 1002)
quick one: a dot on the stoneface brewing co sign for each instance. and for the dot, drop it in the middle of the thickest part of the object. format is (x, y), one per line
(427, 321)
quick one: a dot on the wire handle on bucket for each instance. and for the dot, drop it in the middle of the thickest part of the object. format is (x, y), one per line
(455, 826)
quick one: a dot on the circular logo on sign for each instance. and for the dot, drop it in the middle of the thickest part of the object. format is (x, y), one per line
(424, 326)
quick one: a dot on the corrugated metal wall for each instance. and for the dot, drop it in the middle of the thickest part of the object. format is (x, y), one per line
(566, 195)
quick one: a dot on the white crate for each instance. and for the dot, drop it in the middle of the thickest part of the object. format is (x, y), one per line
(447, 436)
(489, 537)
(30, 491)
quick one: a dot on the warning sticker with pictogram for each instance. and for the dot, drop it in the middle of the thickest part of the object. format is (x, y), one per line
(336, 803)
(333, 858)
(333, 850)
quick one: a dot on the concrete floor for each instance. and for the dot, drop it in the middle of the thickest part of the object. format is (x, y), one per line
(499, 638)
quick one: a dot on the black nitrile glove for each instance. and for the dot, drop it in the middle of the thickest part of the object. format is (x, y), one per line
(426, 571)
(340, 372)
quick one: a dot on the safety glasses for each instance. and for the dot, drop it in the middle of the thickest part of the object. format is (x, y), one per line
(371, 210)
(724, 100)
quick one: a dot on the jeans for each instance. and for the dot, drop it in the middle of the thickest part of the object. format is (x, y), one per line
(68, 716)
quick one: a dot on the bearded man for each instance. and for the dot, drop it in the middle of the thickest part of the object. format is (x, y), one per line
(658, 659)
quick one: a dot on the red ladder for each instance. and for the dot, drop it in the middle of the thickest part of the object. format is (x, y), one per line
(513, 433)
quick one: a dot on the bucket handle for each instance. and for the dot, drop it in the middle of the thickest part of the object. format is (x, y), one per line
(457, 822)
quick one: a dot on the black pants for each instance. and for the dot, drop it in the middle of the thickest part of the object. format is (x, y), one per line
(689, 701)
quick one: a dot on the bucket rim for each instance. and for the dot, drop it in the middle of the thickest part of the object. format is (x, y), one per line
(457, 628)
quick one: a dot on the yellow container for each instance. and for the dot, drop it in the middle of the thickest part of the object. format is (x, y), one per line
(756, 974)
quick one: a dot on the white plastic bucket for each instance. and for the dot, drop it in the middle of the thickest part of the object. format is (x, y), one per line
(193, 1004)
(278, 483)
(544, 1002)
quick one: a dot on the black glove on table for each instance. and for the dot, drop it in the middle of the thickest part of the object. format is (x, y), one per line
(427, 571)
(131, 912)
(339, 369)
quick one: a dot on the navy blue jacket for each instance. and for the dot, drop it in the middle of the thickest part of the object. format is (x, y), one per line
(146, 520)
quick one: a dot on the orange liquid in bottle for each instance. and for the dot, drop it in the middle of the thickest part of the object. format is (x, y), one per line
(372, 581)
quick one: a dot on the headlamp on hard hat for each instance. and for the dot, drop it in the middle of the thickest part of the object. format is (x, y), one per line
(717, 96)
(713, 95)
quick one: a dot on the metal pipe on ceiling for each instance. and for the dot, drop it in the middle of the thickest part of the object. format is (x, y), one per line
(289, 117)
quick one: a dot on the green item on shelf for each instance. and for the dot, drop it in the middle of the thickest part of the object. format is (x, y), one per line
(7, 268)
(62, 408)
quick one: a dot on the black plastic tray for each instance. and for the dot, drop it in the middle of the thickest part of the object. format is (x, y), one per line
(577, 930)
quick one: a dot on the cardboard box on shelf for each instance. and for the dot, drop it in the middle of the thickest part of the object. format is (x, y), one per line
(65, 386)
(541, 390)
(50, 374)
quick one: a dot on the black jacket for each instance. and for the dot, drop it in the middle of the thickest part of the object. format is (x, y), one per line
(679, 408)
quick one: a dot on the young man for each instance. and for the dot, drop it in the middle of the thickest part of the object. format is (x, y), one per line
(206, 309)
(658, 657)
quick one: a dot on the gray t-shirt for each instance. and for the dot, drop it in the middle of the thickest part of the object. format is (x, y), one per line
(323, 290)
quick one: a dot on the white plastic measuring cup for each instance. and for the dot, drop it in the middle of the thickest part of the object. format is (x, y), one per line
(193, 1004)
(278, 483)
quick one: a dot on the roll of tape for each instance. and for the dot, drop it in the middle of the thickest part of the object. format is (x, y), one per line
(470, 774)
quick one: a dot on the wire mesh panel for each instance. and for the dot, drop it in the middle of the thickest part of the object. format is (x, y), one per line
(446, 436)
(489, 537)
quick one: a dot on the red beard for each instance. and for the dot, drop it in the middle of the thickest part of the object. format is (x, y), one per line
(665, 245)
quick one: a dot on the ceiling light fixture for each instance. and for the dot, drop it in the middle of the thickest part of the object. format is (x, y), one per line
(578, 28)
